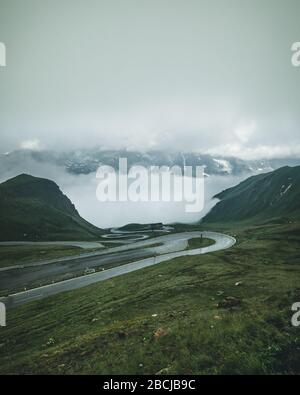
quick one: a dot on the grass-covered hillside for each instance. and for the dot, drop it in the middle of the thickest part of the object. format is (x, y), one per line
(227, 312)
(259, 198)
(34, 208)
(221, 313)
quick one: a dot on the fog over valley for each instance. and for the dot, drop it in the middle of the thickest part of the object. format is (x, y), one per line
(81, 189)
(142, 77)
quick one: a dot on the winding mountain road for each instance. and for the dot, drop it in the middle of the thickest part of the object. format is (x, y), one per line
(143, 253)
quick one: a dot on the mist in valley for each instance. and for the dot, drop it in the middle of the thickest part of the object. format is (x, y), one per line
(81, 190)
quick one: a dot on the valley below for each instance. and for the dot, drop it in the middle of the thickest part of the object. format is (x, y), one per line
(213, 297)
(110, 263)
(223, 312)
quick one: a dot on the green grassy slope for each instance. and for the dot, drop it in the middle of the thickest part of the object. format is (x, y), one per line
(227, 312)
(259, 198)
(34, 208)
(25, 254)
(165, 318)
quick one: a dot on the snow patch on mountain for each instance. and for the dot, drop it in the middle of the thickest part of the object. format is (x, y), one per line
(223, 165)
(285, 190)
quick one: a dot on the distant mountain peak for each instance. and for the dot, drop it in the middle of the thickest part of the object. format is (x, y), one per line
(87, 161)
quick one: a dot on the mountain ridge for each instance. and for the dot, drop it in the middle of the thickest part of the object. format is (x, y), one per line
(87, 161)
(261, 197)
(33, 208)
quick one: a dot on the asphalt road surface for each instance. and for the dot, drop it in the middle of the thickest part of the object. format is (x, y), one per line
(173, 246)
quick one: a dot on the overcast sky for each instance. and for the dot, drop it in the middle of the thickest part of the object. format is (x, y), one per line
(208, 76)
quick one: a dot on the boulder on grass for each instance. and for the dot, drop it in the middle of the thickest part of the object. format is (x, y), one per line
(229, 301)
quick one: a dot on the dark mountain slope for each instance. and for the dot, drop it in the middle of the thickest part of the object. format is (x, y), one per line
(261, 197)
(34, 208)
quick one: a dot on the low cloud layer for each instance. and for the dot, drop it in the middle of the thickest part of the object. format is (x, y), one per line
(206, 76)
(81, 189)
